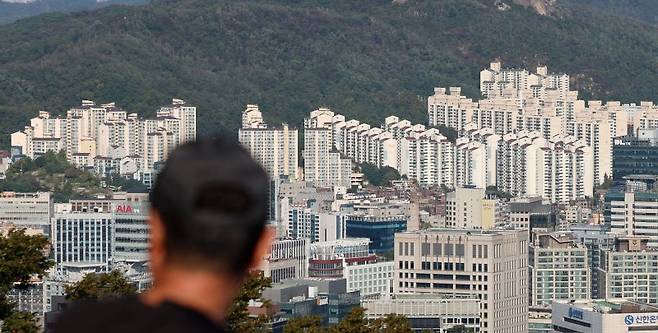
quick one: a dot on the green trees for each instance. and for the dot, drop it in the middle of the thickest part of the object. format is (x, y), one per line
(237, 319)
(50, 172)
(309, 324)
(379, 176)
(22, 257)
(100, 286)
(354, 322)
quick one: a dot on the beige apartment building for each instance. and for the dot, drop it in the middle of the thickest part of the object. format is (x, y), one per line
(489, 265)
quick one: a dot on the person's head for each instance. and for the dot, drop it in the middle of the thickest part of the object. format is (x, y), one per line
(208, 210)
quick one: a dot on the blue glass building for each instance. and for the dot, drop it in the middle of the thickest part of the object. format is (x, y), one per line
(380, 230)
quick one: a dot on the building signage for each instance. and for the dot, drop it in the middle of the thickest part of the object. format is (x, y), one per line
(575, 313)
(651, 318)
(125, 209)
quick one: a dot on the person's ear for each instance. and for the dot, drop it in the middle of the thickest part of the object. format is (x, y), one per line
(262, 247)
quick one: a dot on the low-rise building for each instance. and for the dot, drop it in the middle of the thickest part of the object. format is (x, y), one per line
(428, 313)
(604, 316)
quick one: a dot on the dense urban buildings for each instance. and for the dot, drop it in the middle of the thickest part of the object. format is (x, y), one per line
(510, 224)
(107, 139)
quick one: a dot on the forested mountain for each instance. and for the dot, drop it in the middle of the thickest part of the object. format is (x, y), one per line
(366, 59)
(644, 10)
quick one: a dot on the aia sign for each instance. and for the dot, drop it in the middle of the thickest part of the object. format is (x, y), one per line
(125, 209)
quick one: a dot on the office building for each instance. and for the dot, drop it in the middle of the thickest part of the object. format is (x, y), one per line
(539, 320)
(427, 313)
(370, 278)
(130, 239)
(379, 230)
(596, 238)
(636, 155)
(81, 232)
(490, 265)
(558, 268)
(532, 214)
(467, 207)
(286, 259)
(604, 316)
(329, 259)
(325, 298)
(27, 210)
(633, 213)
(309, 223)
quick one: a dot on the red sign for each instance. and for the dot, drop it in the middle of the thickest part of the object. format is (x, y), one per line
(126, 209)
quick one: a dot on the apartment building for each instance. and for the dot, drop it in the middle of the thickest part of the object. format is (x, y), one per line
(559, 269)
(630, 271)
(106, 139)
(275, 148)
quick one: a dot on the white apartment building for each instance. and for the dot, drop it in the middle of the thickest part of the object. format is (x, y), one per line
(513, 82)
(106, 138)
(629, 271)
(475, 158)
(559, 170)
(27, 210)
(489, 265)
(428, 158)
(559, 269)
(323, 165)
(597, 134)
(276, 149)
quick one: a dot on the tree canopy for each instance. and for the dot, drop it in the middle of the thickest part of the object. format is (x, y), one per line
(100, 286)
(379, 176)
(22, 257)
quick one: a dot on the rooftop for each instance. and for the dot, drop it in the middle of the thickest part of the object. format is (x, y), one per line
(611, 306)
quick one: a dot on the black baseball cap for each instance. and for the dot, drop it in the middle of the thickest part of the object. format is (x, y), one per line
(212, 197)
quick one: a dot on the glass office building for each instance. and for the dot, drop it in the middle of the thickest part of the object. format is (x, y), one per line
(380, 230)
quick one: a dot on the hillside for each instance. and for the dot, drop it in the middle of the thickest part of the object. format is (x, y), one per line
(12, 10)
(364, 59)
(644, 10)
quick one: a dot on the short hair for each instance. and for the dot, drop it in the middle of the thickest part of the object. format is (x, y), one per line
(212, 198)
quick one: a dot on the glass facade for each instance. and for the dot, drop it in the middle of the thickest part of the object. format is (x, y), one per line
(380, 231)
(634, 157)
